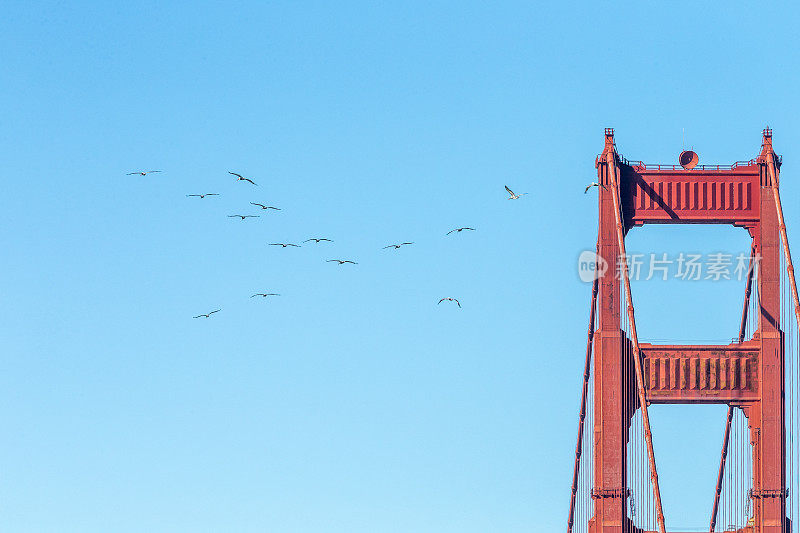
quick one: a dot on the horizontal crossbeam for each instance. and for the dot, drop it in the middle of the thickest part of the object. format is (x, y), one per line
(682, 196)
(701, 373)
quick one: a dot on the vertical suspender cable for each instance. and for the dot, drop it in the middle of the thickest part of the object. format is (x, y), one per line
(723, 457)
(726, 438)
(616, 194)
(747, 290)
(584, 394)
(773, 178)
(782, 227)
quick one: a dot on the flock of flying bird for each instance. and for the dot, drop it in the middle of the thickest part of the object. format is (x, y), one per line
(317, 240)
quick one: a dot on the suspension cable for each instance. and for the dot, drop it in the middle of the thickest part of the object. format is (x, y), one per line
(773, 177)
(616, 194)
(584, 393)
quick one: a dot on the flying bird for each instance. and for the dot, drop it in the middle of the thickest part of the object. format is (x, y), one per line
(207, 315)
(262, 206)
(593, 184)
(341, 261)
(243, 216)
(239, 177)
(450, 300)
(396, 246)
(317, 240)
(264, 294)
(512, 195)
(284, 245)
(459, 230)
(142, 172)
(203, 195)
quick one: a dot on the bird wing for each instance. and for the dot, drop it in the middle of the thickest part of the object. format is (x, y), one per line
(153, 171)
(509, 190)
(251, 181)
(233, 216)
(216, 311)
(132, 173)
(262, 206)
(587, 188)
(406, 243)
(237, 175)
(212, 194)
(193, 195)
(385, 247)
(332, 261)
(351, 262)
(456, 301)
(308, 240)
(198, 316)
(272, 207)
(451, 231)
(295, 245)
(440, 301)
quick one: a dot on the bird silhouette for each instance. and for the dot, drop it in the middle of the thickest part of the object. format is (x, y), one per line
(513, 196)
(142, 172)
(239, 177)
(459, 230)
(264, 294)
(284, 245)
(243, 216)
(262, 206)
(396, 246)
(203, 195)
(341, 261)
(450, 300)
(317, 239)
(593, 184)
(207, 315)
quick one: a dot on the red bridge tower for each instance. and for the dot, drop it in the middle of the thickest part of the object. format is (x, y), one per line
(615, 484)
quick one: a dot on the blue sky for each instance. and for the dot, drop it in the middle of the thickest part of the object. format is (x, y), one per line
(352, 402)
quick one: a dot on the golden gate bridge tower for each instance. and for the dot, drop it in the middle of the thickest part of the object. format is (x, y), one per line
(615, 487)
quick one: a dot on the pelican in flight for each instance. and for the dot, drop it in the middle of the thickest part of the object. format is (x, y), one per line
(341, 261)
(243, 216)
(142, 172)
(593, 184)
(450, 300)
(202, 195)
(317, 239)
(284, 245)
(264, 294)
(207, 315)
(459, 230)
(239, 177)
(512, 195)
(396, 246)
(262, 206)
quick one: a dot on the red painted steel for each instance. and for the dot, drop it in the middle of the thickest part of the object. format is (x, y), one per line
(611, 159)
(726, 438)
(722, 459)
(702, 373)
(748, 374)
(584, 394)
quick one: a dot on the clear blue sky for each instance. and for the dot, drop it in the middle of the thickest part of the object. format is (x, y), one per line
(351, 403)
